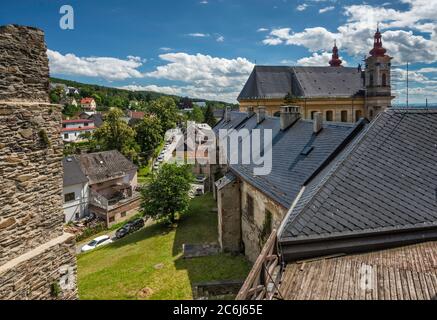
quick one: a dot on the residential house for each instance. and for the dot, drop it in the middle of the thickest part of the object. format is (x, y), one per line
(73, 130)
(88, 104)
(97, 118)
(341, 94)
(135, 117)
(112, 180)
(363, 225)
(76, 190)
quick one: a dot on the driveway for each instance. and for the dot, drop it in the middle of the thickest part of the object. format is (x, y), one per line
(110, 233)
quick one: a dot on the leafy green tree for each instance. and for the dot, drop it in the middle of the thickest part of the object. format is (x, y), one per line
(168, 192)
(196, 115)
(166, 110)
(149, 134)
(209, 116)
(70, 110)
(115, 134)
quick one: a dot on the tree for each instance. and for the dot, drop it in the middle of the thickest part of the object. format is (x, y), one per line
(149, 133)
(196, 115)
(115, 134)
(166, 110)
(70, 110)
(168, 192)
(209, 116)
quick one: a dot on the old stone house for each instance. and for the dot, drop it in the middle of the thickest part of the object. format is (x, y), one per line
(341, 94)
(37, 259)
(251, 206)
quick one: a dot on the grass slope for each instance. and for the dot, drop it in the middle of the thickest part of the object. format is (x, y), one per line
(128, 267)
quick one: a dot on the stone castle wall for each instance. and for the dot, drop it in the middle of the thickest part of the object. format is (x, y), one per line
(35, 254)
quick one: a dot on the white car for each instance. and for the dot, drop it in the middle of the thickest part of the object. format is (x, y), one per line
(97, 242)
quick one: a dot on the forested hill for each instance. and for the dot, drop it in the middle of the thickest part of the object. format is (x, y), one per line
(118, 97)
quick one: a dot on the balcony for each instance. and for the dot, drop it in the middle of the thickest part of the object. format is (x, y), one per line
(112, 208)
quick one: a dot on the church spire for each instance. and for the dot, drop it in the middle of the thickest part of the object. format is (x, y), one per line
(378, 50)
(335, 61)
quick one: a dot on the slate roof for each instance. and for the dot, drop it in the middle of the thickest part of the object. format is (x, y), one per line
(237, 118)
(72, 172)
(97, 119)
(290, 167)
(104, 166)
(385, 181)
(276, 82)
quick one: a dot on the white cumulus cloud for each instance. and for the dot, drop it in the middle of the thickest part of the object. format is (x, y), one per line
(108, 68)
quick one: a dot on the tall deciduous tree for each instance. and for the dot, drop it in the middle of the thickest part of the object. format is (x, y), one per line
(196, 115)
(168, 192)
(115, 134)
(149, 133)
(166, 110)
(209, 116)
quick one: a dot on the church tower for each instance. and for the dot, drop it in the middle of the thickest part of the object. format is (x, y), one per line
(335, 61)
(378, 79)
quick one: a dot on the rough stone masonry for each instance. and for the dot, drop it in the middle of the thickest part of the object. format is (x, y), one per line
(37, 259)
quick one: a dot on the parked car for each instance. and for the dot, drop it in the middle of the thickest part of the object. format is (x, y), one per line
(137, 224)
(97, 242)
(123, 232)
(129, 228)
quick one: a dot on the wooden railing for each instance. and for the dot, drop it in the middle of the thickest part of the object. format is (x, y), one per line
(263, 280)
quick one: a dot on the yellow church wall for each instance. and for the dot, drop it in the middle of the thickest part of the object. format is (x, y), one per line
(352, 109)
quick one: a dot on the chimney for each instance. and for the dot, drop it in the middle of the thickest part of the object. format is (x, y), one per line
(318, 122)
(289, 116)
(261, 115)
(227, 116)
(250, 111)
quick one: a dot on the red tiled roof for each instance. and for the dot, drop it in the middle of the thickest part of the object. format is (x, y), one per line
(77, 121)
(86, 100)
(78, 129)
(138, 114)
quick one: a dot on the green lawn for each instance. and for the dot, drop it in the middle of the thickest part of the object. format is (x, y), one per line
(148, 264)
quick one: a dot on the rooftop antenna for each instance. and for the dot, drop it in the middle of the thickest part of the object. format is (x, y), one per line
(427, 103)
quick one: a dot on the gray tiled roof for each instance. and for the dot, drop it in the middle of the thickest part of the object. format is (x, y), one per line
(386, 180)
(270, 82)
(104, 166)
(237, 118)
(290, 168)
(72, 173)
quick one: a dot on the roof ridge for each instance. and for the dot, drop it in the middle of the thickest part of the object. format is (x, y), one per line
(348, 153)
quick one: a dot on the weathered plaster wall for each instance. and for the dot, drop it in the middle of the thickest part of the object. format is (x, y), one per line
(229, 217)
(252, 228)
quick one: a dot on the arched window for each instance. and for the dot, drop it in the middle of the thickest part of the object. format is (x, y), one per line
(371, 80)
(344, 116)
(384, 80)
(371, 114)
(329, 116)
(277, 114)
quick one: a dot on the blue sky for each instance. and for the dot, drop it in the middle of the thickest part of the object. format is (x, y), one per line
(207, 49)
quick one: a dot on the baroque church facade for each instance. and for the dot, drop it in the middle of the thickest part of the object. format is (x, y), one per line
(341, 94)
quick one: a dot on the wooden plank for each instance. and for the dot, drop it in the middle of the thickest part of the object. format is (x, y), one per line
(257, 268)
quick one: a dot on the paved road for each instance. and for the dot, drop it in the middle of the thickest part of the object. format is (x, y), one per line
(111, 234)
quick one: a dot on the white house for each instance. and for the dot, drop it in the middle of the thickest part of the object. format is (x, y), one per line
(72, 130)
(88, 104)
(75, 192)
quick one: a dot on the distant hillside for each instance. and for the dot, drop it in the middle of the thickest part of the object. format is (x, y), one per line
(119, 97)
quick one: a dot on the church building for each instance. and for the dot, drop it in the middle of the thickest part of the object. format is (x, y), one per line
(341, 94)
